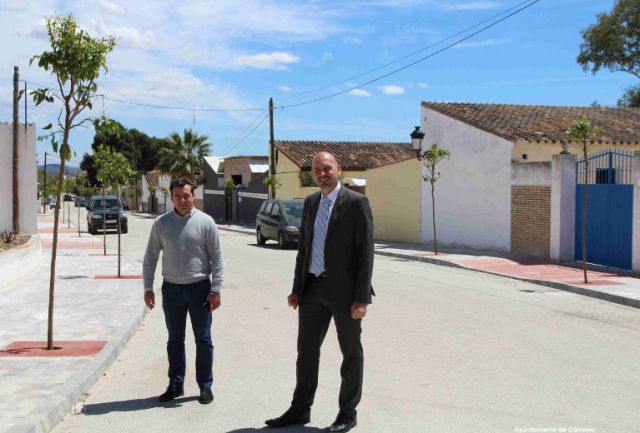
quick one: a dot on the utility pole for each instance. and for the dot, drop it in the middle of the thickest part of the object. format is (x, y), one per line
(16, 154)
(272, 153)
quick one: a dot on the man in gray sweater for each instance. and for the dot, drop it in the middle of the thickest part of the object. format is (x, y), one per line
(191, 253)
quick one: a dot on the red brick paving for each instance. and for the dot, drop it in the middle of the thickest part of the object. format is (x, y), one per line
(115, 277)
(539, 269)
(73, 244)
(60, 229)
(66, 348)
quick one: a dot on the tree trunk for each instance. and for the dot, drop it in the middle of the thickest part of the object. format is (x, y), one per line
(16, 154)
(119, 227)
(54, 247)
(104, 222)
(433, 212)
(584, 217)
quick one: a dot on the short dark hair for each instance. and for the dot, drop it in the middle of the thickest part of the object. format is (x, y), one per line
(180, 183)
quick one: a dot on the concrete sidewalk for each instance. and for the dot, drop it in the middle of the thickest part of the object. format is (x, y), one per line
(94, 314)
(609, 284)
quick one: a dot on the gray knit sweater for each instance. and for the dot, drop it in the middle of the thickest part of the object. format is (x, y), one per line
(190, 248)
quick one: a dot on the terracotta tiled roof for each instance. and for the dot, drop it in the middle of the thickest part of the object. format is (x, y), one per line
(351, 155)
(544, 123)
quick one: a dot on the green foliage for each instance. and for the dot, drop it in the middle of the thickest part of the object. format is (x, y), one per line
(75, 60)
(184, 155)
(614, 41)
(631, 98)
(272, 182)
(582, 132)
(431, 158)
(228, 184)
(306, 179)
(112, 167)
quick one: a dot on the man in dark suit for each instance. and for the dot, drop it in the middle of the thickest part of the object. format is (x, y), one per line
(332, 279)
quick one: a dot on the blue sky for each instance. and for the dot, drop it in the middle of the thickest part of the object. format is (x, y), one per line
(235, 54)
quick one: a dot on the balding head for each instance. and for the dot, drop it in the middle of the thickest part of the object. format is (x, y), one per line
(326, 171)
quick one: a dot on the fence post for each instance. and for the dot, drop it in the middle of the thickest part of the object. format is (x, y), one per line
(635, 245)
(563, 207)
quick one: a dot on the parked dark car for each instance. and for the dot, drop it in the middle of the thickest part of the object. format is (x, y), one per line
(279, 220)
(109, 206)
(82, 202)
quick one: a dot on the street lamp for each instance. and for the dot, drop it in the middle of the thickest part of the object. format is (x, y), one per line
(416, 142)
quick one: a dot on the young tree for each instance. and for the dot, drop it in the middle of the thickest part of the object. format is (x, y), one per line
(75, 61)
(165, 193)
(113, 170)
(614, 41)
(184, 156)
(582, 132)
(273, 183)
(430, 159)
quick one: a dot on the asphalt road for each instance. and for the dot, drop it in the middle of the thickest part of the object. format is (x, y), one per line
(446, 350)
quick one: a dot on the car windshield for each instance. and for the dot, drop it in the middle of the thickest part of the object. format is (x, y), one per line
(292, 212)
(107, 203)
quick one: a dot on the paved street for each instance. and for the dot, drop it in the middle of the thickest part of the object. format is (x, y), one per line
(446, 350)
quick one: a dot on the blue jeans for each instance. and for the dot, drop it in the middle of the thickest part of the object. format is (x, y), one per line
(177, 300)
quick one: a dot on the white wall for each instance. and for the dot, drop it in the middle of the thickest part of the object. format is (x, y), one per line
(531, 173)
(473, 194)
(27, 173)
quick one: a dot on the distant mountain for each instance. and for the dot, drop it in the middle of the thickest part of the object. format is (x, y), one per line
(55, 168)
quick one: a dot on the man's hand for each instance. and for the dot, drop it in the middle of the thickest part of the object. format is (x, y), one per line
(150, 299)
(214, 300)
(358, 310)
(293, 300)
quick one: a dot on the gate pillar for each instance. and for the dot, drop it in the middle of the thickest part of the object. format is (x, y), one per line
(635, 245)
(563, 206)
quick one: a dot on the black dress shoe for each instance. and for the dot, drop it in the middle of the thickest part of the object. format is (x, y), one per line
(288, 418)
(206, 396)
(342, 424)
(171, 394)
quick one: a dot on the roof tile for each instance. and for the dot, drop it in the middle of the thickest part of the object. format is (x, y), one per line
(544, 123)
(351, 155)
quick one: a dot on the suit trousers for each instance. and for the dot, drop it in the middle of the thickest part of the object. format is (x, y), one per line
(314, 316)
(177, 301)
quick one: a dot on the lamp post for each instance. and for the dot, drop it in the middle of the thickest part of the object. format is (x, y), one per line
(416, 142)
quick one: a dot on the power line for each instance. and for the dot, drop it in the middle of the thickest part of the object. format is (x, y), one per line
(422, 59)
(246, 135)
(407, 55)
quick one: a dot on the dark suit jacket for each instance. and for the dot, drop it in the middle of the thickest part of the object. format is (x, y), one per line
(348, 248)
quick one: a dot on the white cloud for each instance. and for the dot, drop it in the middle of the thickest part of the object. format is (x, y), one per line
(352, 40)
(276, 61)
(359, 92)
(485, 43)
(284, 88)
(392, 89)
(111, 7)
(126, 36)
(14, 5)
(326, 57)
(423, 85)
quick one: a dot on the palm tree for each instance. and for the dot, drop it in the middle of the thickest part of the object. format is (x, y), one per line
(183, 156)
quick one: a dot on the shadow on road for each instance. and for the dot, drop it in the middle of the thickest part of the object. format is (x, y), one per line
(133, 405)
(291, 429)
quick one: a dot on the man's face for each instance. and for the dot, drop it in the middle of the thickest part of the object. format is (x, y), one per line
(182, 198)
(326, 171)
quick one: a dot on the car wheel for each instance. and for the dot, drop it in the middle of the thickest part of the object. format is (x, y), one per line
(282, 242)
(259, 238)
(124, 229)
(93, 229)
